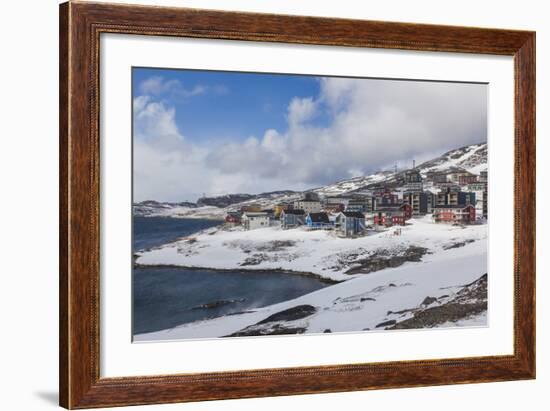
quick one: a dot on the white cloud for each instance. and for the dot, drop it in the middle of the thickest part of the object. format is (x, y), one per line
(372, 125)
(158, 86)
(301, 110)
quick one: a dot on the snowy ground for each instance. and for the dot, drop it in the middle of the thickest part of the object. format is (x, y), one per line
(456, 257)
(319, 252)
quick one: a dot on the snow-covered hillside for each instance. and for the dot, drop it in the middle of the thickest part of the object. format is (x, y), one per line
(319, 252)
(472, 158)
(437, 286)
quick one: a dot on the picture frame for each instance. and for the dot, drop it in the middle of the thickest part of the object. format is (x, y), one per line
(80, 381)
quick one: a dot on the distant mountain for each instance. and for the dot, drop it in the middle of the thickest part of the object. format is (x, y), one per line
(152, 207)
(472, 158)
(225, 200)
(230, 199)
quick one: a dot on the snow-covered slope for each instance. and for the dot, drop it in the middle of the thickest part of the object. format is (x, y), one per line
(354, 184)
(472, 158)
(319, 252)
(383, 299)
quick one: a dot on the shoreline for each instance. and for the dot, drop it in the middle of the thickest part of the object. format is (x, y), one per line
(250, 270)
(182, 217)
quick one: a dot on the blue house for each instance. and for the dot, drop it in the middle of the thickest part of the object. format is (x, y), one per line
(350, 223)
(292, 218)
(318, 221)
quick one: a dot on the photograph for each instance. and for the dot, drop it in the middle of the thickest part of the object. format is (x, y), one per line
(281, 204)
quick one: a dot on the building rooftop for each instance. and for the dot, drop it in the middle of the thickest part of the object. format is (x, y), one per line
(452, 205)
(319, 217)
(295, 212)
(355, 214)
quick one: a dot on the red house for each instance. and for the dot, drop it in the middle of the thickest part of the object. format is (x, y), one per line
(459, 214)
(467, 179)
(233, 218)
(407, 211)
(390, 216)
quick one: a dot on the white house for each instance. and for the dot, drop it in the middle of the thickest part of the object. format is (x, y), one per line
(253, 220)
(309, 206)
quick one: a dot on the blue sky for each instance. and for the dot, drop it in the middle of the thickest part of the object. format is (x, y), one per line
(229, 105)
(218, 133)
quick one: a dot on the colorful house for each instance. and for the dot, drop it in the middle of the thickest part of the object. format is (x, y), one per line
(333, 208)
(252, 220)
(359, 205)
(392, 215)
(386, 198)
(318, 221)
(251, 208)
(467, 179)
(279, 208)
(454, 214)
(336, 200)
(309, 206)
(233, 217)
(292, 218)
(420, 201)
(350, 223)
(480, 191)
(454, 197)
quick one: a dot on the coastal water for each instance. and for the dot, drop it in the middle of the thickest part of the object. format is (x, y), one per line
(155, 231)
(166, 297)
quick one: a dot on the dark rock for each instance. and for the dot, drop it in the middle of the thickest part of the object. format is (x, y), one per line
(439, 315)
(428, 300)
(328, 330)
(386, 323)
(457, 244)
(277, 329)
(217, 304)
(381, 260)
(294, 313)
(470, 300)
(367, 299)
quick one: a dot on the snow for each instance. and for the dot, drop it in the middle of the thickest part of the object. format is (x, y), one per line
(474, 160)
(319, 252)
(353, 184)
(479, 320)
(360, 303)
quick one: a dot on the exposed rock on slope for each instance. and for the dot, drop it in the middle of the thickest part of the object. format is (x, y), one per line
(468, 302)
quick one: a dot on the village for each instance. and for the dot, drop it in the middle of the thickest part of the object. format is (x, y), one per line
(414, 240)
(455, 196)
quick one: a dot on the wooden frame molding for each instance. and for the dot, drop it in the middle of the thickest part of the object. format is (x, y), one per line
(81, 24)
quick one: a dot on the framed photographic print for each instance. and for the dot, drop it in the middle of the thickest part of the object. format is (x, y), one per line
(258, 205)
